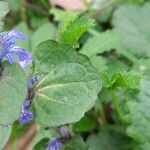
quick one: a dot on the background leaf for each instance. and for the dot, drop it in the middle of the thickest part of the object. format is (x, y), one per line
(135, 32)
(13, 91)
(101, 42)
(108, 140)
(4, 8)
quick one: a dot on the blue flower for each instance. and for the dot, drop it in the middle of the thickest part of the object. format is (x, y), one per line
(54, 144)
(25, 115)
(8, 48)
(32, 82)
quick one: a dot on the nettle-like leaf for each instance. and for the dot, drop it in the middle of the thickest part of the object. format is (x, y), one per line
(68, 85)
(134, 31)
(71, 29)
(4, 135)
(129, 80)
(139, 128)
(4, 8)
(13, 85)
(101, 42)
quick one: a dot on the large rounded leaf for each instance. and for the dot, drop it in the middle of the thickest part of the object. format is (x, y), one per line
(68, 85)
(13, 90)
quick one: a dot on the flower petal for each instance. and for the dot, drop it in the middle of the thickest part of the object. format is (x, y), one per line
(25, 115)
(9, 57)
(25, 59)
(17, 34)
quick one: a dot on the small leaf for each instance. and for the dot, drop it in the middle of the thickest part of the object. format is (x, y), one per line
(4, 135)
(71, 31)
(68, 85)
(13, 85)
(129, 80)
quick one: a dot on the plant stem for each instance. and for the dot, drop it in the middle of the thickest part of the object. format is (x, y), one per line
(117, 106)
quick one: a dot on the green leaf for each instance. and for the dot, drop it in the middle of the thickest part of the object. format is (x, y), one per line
(4, 135)
(101, 42)
(106, 140)
(139, 128)
(135, 32)
(76, 143)
(44, 33)
(71, 31)
(4, 9)
(68, 87)
(129, 80)
(13, 85)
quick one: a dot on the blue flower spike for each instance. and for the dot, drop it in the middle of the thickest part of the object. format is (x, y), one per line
(54, 144)
(8, 48)
(25, 115)
(33, 81)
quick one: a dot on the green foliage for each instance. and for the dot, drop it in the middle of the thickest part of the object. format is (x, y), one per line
(72, 29)
(15, 5)
(85, 124)
(45, 32)
(68, 86)
(75, 143)
(63, 16)
(22, 26)
(134, 31)
(101, 42)
(4, 8)
(139, 116)
(13, 91)
(129, 80)
(108, 140)
(101, 98)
